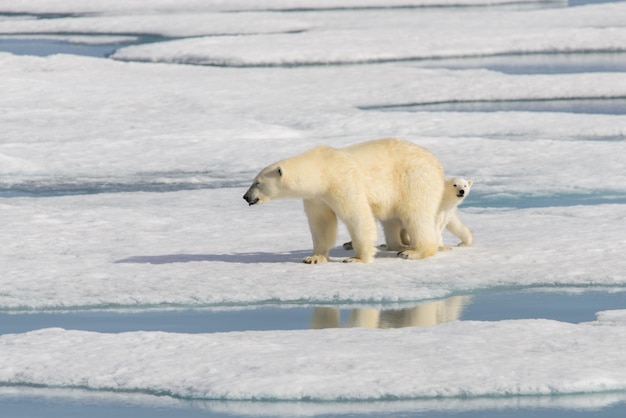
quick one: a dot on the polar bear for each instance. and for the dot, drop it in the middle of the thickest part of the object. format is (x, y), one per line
(392, 180)
(456, 190)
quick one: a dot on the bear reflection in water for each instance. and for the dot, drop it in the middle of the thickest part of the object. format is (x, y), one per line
(423, 315)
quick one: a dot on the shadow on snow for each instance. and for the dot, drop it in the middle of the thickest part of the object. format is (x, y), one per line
(251, 257)
(337, 254)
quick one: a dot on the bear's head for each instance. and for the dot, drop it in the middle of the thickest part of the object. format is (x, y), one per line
(265, 186)
(459, 186)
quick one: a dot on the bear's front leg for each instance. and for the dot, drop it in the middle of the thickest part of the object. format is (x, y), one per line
(323, 226)
(361, 225)
(460, 230)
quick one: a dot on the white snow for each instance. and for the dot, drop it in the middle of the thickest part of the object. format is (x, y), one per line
(427, 35)
(171, 6)
(82, 124)
(225, 121)
(530, 357)
(207, 248)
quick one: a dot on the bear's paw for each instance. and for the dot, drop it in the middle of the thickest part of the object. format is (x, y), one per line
(315, 259)
(356, 260)
(414, 254)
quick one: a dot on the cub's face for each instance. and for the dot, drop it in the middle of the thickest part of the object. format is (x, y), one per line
(460, 186)
(265, 186)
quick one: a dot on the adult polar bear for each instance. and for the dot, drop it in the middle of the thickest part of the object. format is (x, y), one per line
(392, 180)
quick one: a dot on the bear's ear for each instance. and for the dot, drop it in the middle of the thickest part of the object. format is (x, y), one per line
(279, 170)
(470, 182)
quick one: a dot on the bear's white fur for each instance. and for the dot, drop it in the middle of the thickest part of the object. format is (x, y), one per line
(455, 191)
(395, 181)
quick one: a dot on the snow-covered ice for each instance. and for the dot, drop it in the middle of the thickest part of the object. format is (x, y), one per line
(133, 7)
(207, 248)
(230, 123)
(89, 145)
(427, 35)
(531, 357)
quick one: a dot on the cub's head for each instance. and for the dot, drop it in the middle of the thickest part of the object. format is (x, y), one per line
(459, 187)
(266, 186)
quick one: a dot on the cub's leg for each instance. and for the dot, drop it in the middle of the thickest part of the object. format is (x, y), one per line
(442, 221)
(323, 226)
(457, 228)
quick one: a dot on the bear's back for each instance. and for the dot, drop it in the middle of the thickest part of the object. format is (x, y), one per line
(397, 174)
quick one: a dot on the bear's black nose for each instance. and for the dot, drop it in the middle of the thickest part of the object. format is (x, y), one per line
(248, 198)
(462, 192)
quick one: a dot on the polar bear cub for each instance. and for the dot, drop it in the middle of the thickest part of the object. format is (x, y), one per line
(455, 191)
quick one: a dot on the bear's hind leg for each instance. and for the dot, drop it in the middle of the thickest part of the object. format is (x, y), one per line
(424, 239)
(323, 226)
(394, 235)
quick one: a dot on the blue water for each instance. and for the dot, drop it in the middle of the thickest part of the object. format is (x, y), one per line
(34, 404)
(44, 47)
(561, 63)
(575, 305)
(599, 105)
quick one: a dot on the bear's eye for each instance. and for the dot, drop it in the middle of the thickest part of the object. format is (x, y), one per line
(455, 185)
